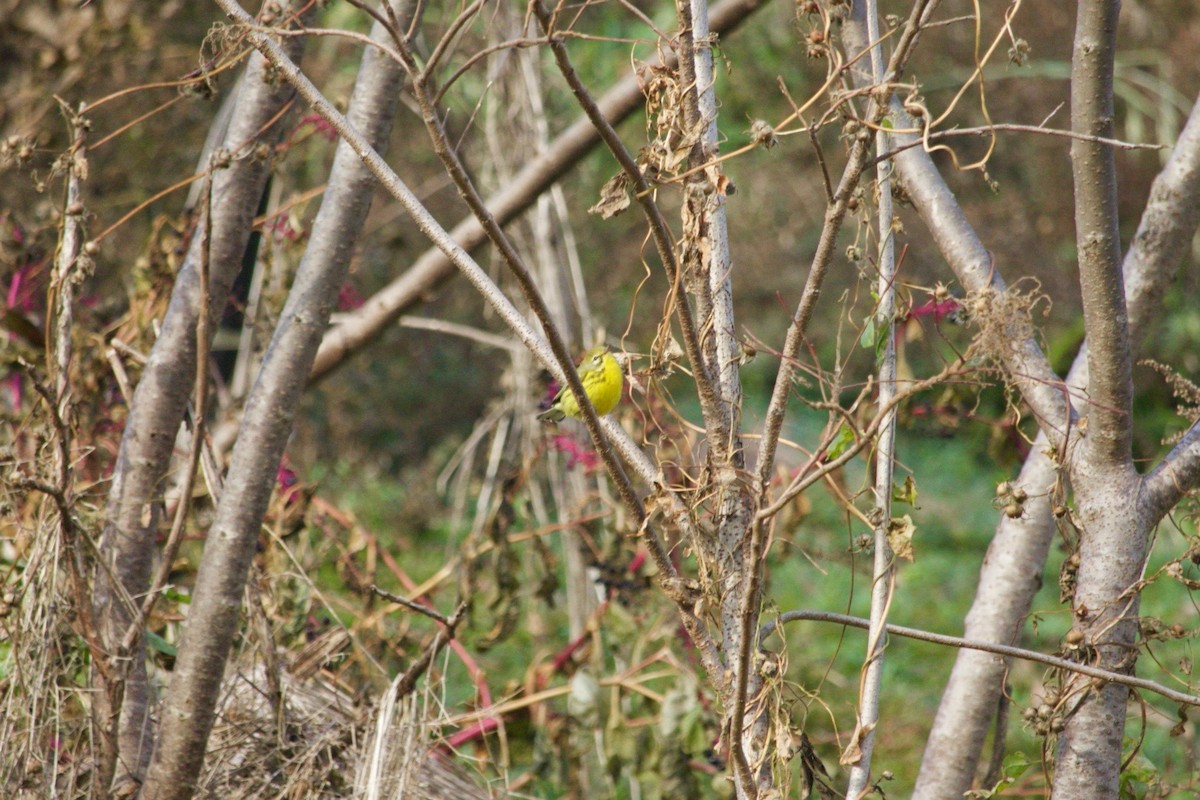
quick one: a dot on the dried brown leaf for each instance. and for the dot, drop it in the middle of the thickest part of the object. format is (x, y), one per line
(900, 536)
(614, 197)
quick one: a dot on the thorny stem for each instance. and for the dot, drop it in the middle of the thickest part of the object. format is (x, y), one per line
(794, 340)
(883, 580)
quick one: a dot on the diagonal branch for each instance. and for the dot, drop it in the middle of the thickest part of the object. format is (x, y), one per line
(1011, 571)
(1178, 474)
(968, 258)
(356, 330)
(157, 407)
(1159, 248)
(491, 294)
(190, 707)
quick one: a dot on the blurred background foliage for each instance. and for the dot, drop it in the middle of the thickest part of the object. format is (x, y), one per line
(374, 436)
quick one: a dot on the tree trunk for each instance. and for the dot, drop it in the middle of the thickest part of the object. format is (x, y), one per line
(127, 546)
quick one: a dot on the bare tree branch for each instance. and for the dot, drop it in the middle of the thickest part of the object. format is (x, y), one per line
(1009, 578)
(857, 44)
(1114, 526)
(1178, 474)
(1110, 382)
(1030, 372)
(192, 464)
(433, 267)
(213, 617)
(1159, 248)
(967, 256)
(862, 743)
(705, 204)
(155, 413)
(1010, 574)
(491, 294)
(707, 268)
(985, 647)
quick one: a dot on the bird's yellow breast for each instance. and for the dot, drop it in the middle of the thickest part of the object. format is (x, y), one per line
(602, 380)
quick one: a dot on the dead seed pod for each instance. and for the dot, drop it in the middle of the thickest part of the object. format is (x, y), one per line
(1019, 52)
(762, 133)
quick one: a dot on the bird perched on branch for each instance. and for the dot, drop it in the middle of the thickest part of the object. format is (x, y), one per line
(602, 381)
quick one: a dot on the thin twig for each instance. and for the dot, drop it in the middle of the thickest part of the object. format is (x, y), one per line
(807, 479)
(418, 667)
(834, 215)
(987, 647)
(452, 30)
(412, 605)
(532, 294)
(504, 308)
(1012, 127)
(643, 192)
(468, 332)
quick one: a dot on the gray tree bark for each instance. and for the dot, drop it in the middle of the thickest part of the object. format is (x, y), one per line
(189, 711)
(1011, 570)
(1115, 513)
(127, 546)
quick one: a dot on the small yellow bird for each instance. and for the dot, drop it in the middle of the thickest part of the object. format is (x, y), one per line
(602, 380)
